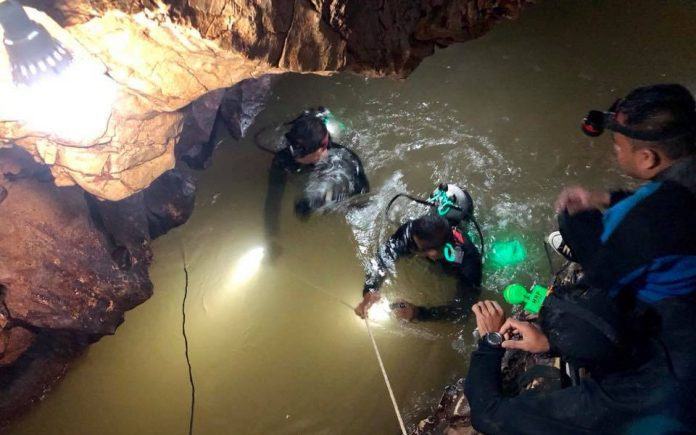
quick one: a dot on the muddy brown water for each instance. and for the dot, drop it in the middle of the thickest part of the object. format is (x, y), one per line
(281, 353)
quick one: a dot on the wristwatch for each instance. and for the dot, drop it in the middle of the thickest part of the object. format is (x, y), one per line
(494, 339)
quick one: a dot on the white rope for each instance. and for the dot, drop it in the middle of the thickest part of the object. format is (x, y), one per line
(374, 345)
(386, 378)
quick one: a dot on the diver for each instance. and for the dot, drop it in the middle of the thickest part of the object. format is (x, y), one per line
(330, 173)
(439, 238)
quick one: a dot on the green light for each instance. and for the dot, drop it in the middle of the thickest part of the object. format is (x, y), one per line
(507, 253)
(533, 300)
(515, 294)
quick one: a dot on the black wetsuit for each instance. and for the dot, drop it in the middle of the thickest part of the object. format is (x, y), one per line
(335, 178)
(466, 267)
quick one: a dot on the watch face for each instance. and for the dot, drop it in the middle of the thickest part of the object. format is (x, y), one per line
(494, 339)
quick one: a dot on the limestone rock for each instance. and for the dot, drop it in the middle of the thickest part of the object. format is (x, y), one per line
(71, 265)
(13, 343)
(243, 102)
(134, 221)
(194, 145)
(29, 378)
(55, 265)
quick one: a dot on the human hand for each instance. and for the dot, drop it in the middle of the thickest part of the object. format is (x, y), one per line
(574, 199)
(489, 316)
(303, 208)
(403, 310)
(369, 299)
(533, 340)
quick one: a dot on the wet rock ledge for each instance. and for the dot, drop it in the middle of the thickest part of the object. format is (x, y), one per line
(78, 213)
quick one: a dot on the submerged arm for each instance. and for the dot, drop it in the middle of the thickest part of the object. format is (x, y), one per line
(277, 179)
(455, 310)
(468, 288)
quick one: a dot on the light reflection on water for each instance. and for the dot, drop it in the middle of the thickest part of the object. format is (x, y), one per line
(283, 353)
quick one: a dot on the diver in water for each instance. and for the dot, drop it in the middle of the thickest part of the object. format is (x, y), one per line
(330, 172)
(439, 239)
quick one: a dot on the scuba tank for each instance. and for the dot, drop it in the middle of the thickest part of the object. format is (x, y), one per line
(451, 202)
(335, 127)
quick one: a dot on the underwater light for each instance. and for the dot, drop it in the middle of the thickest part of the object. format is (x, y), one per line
(248, 265)
(507, 253)
(380, 310)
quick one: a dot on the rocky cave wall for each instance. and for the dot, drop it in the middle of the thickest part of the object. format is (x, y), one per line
(78, 213)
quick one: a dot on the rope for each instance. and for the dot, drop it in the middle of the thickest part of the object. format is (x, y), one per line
(386, 378)
(319, 289)
(369, 331)
(186, 345)
(374, 345)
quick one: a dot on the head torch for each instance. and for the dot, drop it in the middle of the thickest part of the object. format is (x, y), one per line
(596, 122)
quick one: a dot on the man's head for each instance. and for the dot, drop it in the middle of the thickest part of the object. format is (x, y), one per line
(660, 128)
(431, 233)
(307, 139)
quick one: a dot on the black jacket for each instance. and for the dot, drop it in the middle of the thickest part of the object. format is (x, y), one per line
(648, 240)
(653, 391)
(335, 178)
(645, 399)
(467, 269)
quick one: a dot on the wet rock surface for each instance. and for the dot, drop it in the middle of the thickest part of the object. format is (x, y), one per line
(242, 102)
(70, 267)
(235, 107)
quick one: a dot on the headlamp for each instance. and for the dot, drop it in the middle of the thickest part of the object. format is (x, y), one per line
(596, 122)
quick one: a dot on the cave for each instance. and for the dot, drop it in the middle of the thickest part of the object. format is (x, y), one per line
(164, 145)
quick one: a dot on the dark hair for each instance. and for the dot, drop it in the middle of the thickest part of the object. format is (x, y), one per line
(663, 107)
(308, 133)
(432, 231)
(584, 326)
